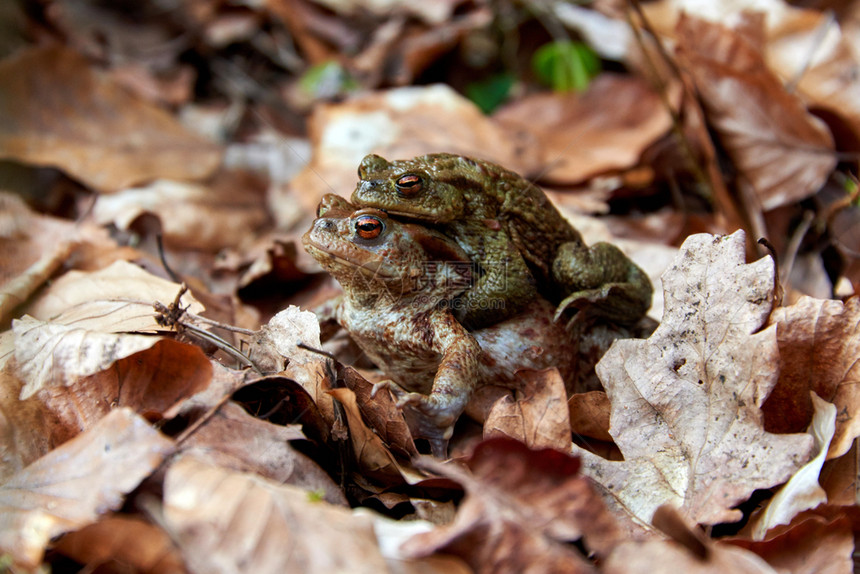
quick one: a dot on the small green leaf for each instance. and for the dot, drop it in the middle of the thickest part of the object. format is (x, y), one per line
(565, 66)
(489, 94)
(316, 495)
(326, 80)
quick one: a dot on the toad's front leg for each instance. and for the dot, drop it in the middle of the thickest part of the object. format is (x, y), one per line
(432, 416)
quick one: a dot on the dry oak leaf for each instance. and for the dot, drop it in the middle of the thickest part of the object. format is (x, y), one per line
(230, 522)
(784, 152)
(685, 402)
(70, 486)
(55, 110)
(819, 342)
(521, 510)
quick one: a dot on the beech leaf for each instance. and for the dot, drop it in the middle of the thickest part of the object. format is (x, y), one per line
(685, 402)
(57, 111)
(70, 486)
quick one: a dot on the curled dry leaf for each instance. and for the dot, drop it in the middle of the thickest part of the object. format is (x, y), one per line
(276, 348)
(784, 152)
(381, 413)
(233, 439)
(802, 491)
(521, 509)
(607, 127)
(685, 402)
(538, 416)
(371, 454)
(225, 521)
(57, 111)
(819, 342)
(115, 299)
(70, 486)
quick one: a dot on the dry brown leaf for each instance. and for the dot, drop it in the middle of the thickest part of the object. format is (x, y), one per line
(784, 152)
(381, 413)
(685, 402)
(192, 216)
(606, 127)
(57, 111)
(521, 508)
(116, 299)
(70, 486)
(812, 545)
(802, 491)
(589, 414)
(28, 429)
(819, 342)
(399, 124)
(277, 344)
(52, 354)
(839, 478)
(372, 456)
(538, 416)
(225, 521)
(126, 541)
(154, 383)
(33, 246)
(233, 439)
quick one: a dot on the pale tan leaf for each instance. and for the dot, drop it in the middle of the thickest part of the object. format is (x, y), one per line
(226, 522)
(819, 342)
(192, 215)
(115, 299)
(685, 402)
(49, 354)
(33, 246)
(57, 111)
(538, 416)
(606, 127)
(70, 486)
(391, 535)
(802, 491)
(784, 152)
(664, 557)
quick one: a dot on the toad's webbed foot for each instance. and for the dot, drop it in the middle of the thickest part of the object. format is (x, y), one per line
(603, 281)
(426, 416)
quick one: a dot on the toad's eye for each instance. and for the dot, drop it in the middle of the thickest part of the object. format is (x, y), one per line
(408, 185)
(368, 227)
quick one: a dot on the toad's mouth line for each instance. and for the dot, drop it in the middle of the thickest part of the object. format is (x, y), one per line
(371, 272)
